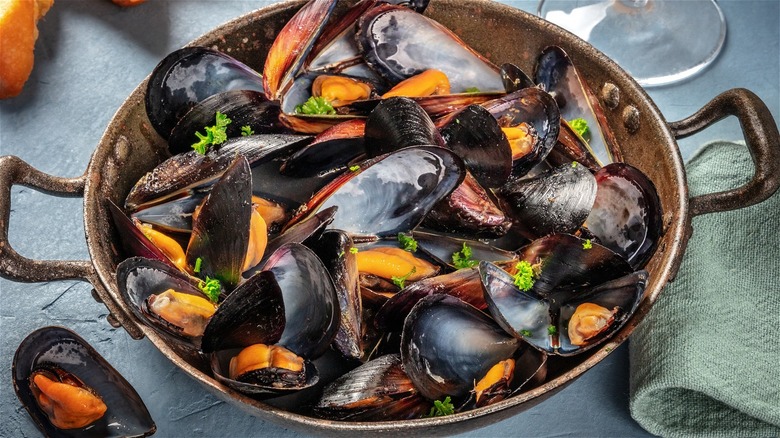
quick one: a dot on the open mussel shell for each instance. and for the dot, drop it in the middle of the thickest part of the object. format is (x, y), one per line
(126, 414)
(333, 248)
(572, 147)
(397, 123)
(557, 201)
(538, 110)
(220, 364)
(378, 390)
(623, 294)
(399, 43)
(242, 107)
(391, 194)
(447, 345)
(133, 240)
(310, 228)
(139, 278)
(293, 45)
(566, 262)
(173, 216)
(191, 173)
(556, 74)
(475, 136)
(254, 313)
(220, 233)
(627, 215)
(311, 306)
(188, 76)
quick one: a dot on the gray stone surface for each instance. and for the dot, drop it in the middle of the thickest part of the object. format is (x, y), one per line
(89, 57)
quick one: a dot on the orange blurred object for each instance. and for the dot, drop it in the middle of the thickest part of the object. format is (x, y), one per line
(18, 32)
(128, 3)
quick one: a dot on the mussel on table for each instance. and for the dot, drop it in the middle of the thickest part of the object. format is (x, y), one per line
(70, 390)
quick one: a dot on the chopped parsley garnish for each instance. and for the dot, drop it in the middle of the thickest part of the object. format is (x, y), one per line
(246, 131)
(211, 288)
(472, 90)
(399, 281)
(354, 168)
(580, 126)
(442, 408)
(341, 254)
(407, 242)
(214, 134)
(587, 244)
(552, 330)
(353, 250)
(526, 333)
(462, 259)
(314, 106)
(524, 279)
(574, 164)
(198, 262)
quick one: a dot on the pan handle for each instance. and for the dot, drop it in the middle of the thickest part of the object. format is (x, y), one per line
(13, 170)
(763, 142)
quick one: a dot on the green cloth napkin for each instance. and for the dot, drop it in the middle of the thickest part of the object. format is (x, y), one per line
(706, 360)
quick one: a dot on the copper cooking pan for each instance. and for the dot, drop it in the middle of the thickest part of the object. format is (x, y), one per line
(130, 147)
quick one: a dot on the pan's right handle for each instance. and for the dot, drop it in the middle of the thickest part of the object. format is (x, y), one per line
(763, 142)
(13, 170)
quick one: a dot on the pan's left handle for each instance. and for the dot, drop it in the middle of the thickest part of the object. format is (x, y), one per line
(13, 266)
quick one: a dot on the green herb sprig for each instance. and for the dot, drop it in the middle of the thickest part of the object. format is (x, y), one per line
(400, 281)
(442, 408)
(315, 106)
(214, 134)
(462, 259)
(407, 242)
(580, 126)
(211, 288)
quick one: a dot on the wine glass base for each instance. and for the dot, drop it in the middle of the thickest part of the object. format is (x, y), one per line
(658, 42)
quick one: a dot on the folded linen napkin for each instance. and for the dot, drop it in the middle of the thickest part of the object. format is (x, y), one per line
(706, 359)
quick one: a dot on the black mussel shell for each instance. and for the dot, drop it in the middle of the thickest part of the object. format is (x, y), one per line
(220, 233)
(396, 123)
(242, 107)
(400, 43)
(463, 284)
(556, 74)
(469, 209)
(332, 150)
(442, 247)
(475, 136)
(535, 108)
(557, 201)
(333, 248)
(254, 313)
(311, 305)
(292, 46)
(266, 383)
(523, 314)
(568, 262)
(191, 173)
(61, 348)
(174, 216)
(514, 78)
(139, 278)
(188, 76)
(378, 390)
(627, 216)
(307, 229)
(447, 345)
(391, 194)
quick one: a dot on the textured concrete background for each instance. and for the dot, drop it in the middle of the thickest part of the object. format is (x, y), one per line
(91, 54)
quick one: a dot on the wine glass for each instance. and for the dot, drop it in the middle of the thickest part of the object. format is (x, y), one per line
(658, 42)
